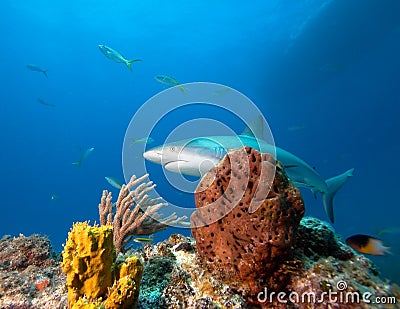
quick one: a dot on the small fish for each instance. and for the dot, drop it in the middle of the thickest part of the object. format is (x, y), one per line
(296, 128)
(367, 244)
(43, 102)
(83, 157)
(116, 56)
(36, 68)
(221, 91)
(390, 230)
(115, 183)
(147, 140)
(169, 81)
(143, 240)
(54, 197)
(333, 68)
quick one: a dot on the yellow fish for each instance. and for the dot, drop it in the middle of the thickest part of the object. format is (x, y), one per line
(83, 157)
(143, 240)
(36, 68)
(390, 230)
(114, 55)
(147, 140)
(114, 182)
(169, 81)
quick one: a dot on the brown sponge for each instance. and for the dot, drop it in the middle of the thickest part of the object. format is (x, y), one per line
(240, 248)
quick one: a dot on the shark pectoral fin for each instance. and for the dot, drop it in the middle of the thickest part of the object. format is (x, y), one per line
(327, 200)
(290, 166)
(334, 184)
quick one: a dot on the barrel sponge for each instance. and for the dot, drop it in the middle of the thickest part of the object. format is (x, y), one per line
(87, 261)
(243, 249)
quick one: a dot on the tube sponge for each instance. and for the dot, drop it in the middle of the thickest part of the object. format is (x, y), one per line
(125, 291)
(87, 261)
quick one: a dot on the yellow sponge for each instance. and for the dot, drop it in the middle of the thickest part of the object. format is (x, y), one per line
(87, 261)
(125, 291)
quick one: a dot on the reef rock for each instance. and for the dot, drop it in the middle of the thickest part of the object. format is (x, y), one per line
(173, 276)
(241, 248)
(30, 274)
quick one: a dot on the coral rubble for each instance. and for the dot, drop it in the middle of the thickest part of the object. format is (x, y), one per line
(243, 248)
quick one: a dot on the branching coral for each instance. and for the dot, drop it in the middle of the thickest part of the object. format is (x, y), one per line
(135, 212)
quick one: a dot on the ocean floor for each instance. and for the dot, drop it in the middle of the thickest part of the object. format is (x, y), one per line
(174, 277)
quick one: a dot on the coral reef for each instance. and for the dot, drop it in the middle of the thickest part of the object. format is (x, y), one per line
(186, 284)
(311, 233)
(30, 274)
(244, 249)
(173, 276)
(263, 259)
(135, 214)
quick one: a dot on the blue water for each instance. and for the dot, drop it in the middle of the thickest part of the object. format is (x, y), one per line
(324, 73)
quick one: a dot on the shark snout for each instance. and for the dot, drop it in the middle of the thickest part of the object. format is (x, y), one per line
(153, 156)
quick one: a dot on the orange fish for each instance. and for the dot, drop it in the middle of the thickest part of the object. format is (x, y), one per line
(367, 244)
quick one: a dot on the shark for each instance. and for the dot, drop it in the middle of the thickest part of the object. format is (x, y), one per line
(196, 156)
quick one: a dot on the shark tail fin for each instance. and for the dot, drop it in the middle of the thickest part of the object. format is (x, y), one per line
(129, 63)
(334, 184)
(45, 73)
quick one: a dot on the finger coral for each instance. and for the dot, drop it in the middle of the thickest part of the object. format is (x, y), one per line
(243, 248)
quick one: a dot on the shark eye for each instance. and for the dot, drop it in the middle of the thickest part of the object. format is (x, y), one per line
(172, 148)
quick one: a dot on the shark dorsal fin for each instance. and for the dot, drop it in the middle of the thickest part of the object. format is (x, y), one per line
(255, 129)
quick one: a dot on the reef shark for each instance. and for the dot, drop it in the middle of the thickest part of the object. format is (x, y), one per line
(196, 156)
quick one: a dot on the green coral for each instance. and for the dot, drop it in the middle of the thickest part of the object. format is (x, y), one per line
(157, 274)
